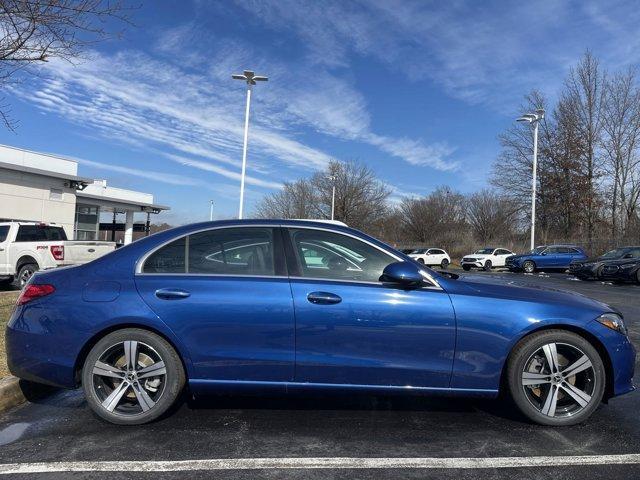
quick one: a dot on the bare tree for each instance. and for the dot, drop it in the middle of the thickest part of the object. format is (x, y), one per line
(438, 219)
(585, 95)
(490, 216)
(361, 199)
(621, 141)
(35, 31)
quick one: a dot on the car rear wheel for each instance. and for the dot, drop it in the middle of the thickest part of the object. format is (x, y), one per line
(556, 378)
(487, 265)
(529, 266)
(132, 376)
(24, 274)
(444, 264)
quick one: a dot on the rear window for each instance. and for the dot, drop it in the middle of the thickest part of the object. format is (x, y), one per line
(4, 231)
(40, 233)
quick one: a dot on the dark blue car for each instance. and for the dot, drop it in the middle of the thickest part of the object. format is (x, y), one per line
(546, 257)
(297, 305)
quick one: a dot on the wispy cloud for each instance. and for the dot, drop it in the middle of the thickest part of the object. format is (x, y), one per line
(482, 53)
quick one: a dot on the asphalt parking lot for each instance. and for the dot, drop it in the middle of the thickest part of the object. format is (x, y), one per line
(350, 436)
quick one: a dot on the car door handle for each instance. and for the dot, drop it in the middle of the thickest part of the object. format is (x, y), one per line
(171, 294)
(323, 298)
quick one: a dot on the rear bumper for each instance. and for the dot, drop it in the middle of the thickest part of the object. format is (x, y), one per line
(37, 353)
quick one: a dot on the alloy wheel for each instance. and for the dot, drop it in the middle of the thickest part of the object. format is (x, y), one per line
(25, 275)
(129, 378)
(559, 380)
(528, 267)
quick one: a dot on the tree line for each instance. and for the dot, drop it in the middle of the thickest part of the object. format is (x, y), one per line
(588, 180)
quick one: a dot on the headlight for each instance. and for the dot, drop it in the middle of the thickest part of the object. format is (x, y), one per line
(613, 321)
(627, 266)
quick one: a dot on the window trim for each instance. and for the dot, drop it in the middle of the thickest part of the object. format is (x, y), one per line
(283, 252)
(278, 263)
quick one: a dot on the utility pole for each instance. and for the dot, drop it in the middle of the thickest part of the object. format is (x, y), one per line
(534, 120)
(251, 78)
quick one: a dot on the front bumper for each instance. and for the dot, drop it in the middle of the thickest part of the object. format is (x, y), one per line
(622, 356)
(472, 262)
(584, 271)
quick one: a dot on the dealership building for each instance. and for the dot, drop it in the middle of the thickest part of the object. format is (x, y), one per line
(39, 187)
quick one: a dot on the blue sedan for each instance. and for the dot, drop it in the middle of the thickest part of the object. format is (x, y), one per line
(298, 305)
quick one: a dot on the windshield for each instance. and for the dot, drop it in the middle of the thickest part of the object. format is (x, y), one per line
(617, 253)
(420, 251)
(484, 251)
(538, 250)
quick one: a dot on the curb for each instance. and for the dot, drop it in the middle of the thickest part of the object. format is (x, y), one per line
(14, 392)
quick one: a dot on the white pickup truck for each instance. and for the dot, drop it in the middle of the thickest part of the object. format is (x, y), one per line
(26, 247)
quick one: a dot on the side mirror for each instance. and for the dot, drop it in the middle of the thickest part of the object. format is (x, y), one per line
(402, 273)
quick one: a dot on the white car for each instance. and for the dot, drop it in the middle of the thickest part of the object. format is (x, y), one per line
(431, 257)
(486, 258)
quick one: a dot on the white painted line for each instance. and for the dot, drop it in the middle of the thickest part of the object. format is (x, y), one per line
(315, 463)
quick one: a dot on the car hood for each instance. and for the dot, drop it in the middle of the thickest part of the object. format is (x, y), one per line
(516, 290)
(522, 255)
(478, 255)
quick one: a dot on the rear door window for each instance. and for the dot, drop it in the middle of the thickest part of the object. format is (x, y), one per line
(223, 251)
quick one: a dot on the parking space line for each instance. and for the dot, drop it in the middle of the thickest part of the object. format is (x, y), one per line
(318, 463)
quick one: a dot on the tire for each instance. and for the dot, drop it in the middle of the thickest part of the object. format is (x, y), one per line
(24, 274)
(528, 267)
(466, 268)
(421, 260)
(444, 264)
(487, 266)
(588, 385)
(136, 402)
(638, 276)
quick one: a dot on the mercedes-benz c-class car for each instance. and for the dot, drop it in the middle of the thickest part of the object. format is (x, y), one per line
(282, 306)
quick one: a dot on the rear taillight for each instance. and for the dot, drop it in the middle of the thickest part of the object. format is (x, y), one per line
(57, 251)
(31, 292)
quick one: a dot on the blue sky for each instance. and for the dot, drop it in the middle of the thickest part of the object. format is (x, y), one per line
(418, 91)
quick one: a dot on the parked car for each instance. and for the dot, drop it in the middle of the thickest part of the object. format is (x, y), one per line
(26, 247)
(283, 305)
(622, 270)
(592, 268)
(486, 258)
(431, 257)
(546, 257)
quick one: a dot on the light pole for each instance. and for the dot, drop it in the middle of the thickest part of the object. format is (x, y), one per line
(251, 78)
(533, 119)
(333, 196)
(210, 210)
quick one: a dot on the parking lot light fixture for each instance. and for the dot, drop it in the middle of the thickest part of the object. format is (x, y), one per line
(250, 78)
(533, 119)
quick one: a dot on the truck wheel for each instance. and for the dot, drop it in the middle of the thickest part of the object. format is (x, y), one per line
(529, 266)
(487, 266)
(24, 274)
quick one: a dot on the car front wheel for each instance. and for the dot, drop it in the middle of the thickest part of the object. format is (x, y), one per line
(487, 265)
(132, 376)
(529, 266)
(466, 268)
(556, 378)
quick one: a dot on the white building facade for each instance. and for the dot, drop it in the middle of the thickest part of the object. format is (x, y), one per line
(39, 187)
